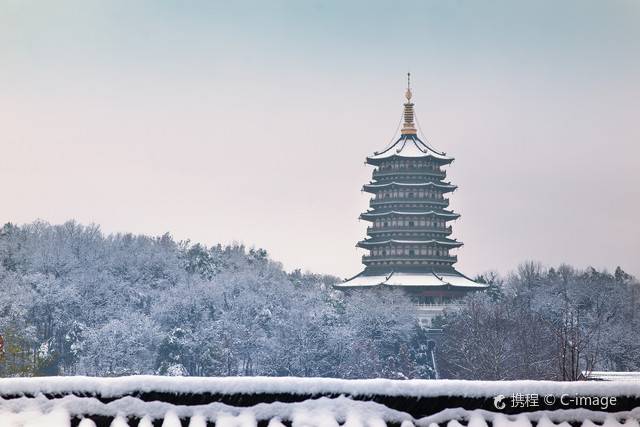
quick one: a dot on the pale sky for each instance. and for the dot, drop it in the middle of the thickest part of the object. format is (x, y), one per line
(250, 121)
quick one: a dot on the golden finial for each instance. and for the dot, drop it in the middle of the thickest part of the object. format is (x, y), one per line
(408, 127)
(408, 94)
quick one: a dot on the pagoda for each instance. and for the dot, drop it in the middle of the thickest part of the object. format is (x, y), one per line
(409, 240)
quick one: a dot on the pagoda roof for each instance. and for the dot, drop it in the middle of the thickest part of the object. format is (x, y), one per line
(444, 185)
(383, 241)
(384, 212)
(452, 279)
(364, 281)
(409, 147)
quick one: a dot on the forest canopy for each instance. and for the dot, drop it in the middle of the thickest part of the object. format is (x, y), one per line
(76, 301)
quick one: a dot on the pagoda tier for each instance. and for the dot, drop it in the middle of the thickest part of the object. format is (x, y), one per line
(411, 215)
(404, 189)
(408, 242)
(407, 152)
(381, 242)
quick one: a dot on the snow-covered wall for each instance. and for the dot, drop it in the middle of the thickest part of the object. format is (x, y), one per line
(309, 402)
(118, 386)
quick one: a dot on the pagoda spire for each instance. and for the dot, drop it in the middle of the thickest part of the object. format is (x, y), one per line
(408, 128)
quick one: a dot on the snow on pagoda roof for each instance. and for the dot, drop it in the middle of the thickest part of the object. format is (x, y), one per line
(430, 212)
(412, 184)
(428, 279)
(363, 281)
(446, 242)
(406, 279)
(409, 146)
(460, 280)
(432, 279)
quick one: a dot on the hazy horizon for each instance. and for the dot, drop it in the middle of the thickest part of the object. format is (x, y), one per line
(250, 122)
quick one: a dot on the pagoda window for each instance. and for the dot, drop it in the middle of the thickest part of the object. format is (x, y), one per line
(411, 252)
(423, 251)
(411, 224)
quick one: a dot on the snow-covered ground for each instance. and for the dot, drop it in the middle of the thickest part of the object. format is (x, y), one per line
(55, 401)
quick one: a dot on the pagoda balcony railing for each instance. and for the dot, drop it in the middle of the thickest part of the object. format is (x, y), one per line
(408, 172)
(414, 229)
(415, 200)
(436, 305)
(410, 258)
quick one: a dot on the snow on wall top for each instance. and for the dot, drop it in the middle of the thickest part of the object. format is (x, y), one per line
(113, 387)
